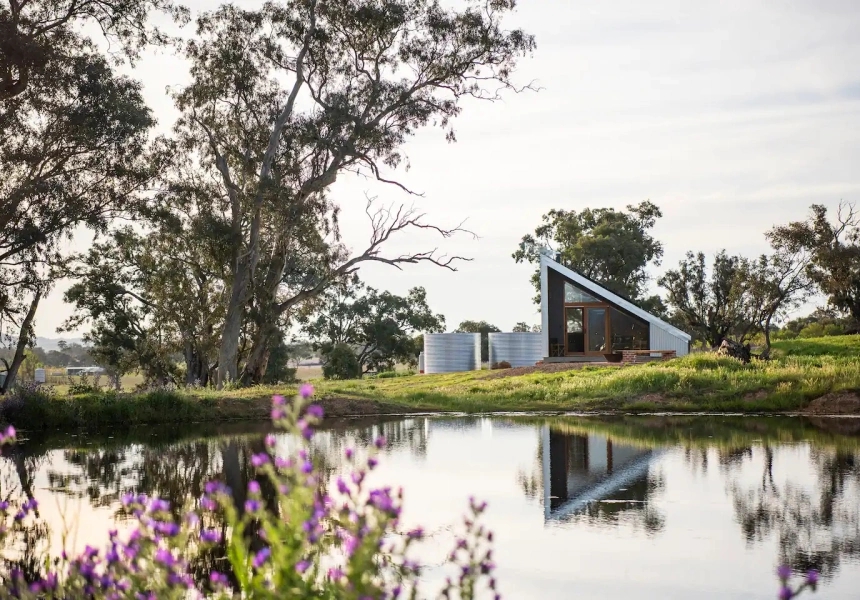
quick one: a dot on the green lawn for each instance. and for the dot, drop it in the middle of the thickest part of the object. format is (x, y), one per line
(801, 371)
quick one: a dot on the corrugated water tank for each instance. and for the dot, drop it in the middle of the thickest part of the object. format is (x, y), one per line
(452, 352)
(520, 349)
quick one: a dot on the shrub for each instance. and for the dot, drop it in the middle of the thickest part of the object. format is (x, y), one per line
(501, 365)
(341, 363)
(290, 538)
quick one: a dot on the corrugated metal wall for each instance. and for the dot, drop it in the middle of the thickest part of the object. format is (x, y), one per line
(520, 349)
(663, 340)
(452, 352)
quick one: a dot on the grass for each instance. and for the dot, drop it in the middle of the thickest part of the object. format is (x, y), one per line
(800, 371)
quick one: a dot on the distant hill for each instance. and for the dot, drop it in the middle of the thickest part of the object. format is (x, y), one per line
(47, 344)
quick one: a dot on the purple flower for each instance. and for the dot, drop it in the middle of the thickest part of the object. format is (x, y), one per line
(307, 467)
(381, 500)
(379, 442)
(316, 411)
(270, 441)
(278, 400)
(207, 503)
(253, 487)
(261, 557)
(217, 579)
(9, 434)
(785, 593)
(258, 460)
(215, 487)
(169, 529)
(306, 391)
(283, 463)
(342, 487)
(305, 428)
(252, 506)
(159, 505)
(302, 566)
(165, 557)
(812, 577)
(278, 414)
(349, 453)
(416, 534)
(783, 572)
(371, 463)
(210, 536)
(335, 574)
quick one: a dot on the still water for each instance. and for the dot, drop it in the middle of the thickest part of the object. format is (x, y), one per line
(645, 507)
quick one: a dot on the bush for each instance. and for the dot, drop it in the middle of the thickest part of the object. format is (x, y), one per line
(501, 365)
(26, 402)
(341, 363)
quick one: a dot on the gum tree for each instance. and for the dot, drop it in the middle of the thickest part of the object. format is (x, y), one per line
(286, 99)
(611, 246)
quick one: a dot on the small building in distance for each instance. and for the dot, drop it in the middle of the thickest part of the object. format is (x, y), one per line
(583, 321)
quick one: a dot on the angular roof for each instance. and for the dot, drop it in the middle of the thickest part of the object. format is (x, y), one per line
(591, 286)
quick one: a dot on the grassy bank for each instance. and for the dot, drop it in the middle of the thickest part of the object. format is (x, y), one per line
(801, 371)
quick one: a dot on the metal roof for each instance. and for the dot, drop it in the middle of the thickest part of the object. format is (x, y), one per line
(613, 298)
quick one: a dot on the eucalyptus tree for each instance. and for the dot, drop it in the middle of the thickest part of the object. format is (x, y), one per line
(378, 326)
(834, 245)
(711, 303)
(156, 291)
(286, 98)
(73, 137)
(39, 37)
(611, 246)
(74, 156)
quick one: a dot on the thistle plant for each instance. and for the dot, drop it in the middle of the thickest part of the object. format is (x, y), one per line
(290, 538)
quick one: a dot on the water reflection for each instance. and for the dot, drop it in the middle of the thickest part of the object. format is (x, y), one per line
(657, 494)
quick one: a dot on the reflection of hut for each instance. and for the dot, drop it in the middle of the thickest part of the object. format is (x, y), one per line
(579, 469)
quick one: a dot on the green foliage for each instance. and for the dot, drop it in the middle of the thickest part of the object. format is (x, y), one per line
(612, 247)
(340, 362)
(482, 327)
(835, 253)
(278, 369)
(711, 304)
(378, 325)
(821, 322)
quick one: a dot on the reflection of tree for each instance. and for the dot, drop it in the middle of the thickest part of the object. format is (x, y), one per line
(175, 470)
(25, 545)
(815, 529)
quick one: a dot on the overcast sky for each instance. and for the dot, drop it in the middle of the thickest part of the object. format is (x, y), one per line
(731, 116)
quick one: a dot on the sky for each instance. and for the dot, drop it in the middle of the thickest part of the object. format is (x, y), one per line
(731, 116)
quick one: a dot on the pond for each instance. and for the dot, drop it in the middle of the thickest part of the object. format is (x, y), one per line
(614, 507)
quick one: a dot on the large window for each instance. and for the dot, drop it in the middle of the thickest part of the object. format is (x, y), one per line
(574, 295)
(628, 333)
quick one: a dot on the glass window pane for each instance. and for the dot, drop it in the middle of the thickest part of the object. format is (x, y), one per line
(596, 329)
(574, 295)
(628, 333)
(575, 332)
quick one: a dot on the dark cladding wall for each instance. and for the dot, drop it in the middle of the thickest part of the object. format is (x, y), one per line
(556, 309)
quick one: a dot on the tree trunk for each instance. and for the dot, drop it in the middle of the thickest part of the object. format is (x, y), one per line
(23, 339)
(258, 359)
(196, 366)
(767, 336)
(228, 354)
